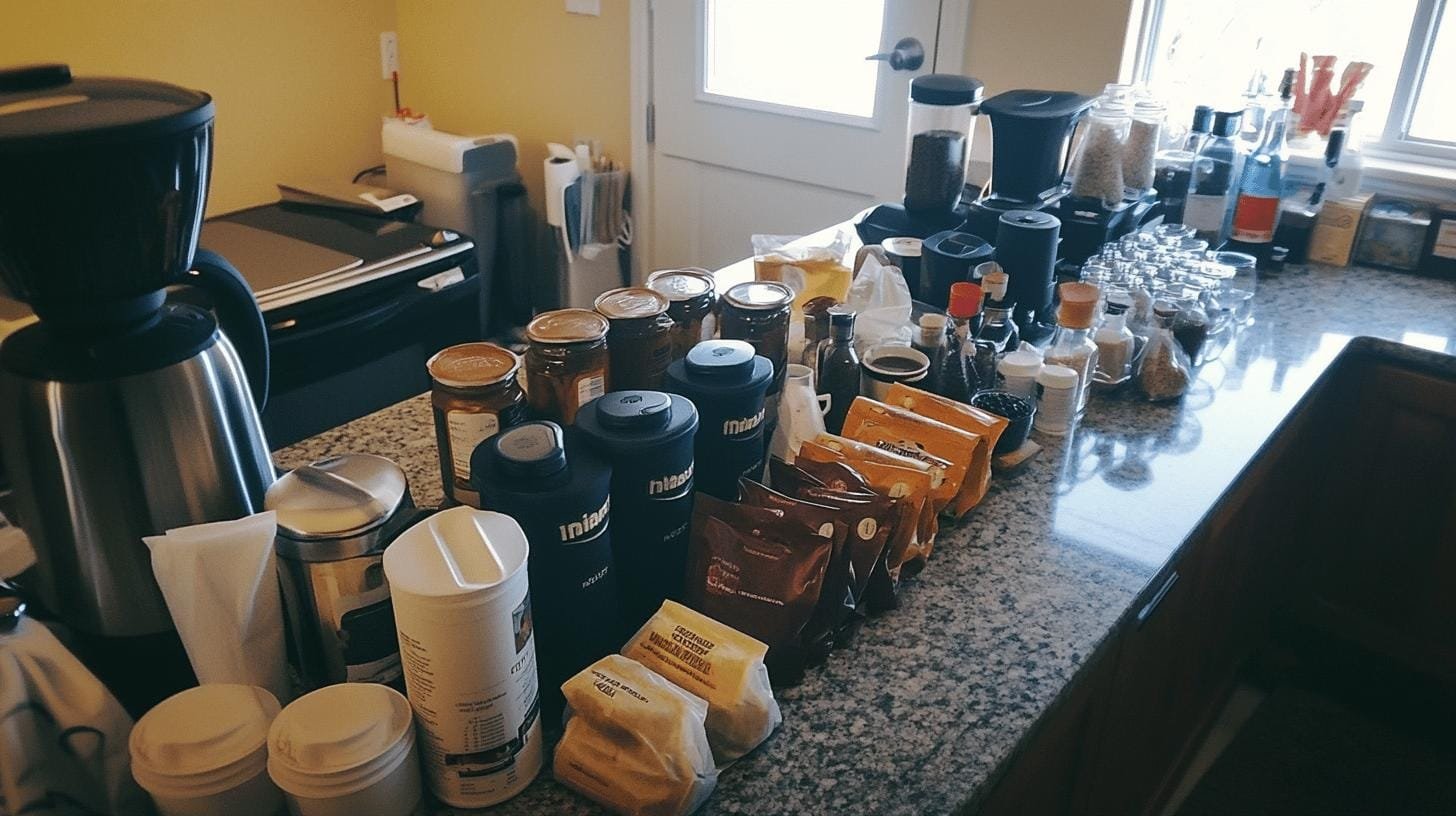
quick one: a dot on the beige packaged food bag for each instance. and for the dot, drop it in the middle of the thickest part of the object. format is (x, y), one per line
(717, 663)
(634, 742)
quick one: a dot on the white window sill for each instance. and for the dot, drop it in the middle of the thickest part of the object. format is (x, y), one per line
(1392, 176)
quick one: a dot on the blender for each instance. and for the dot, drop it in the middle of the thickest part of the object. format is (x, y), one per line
(123, 414)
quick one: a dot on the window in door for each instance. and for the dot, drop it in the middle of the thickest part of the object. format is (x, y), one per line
(807, 55)
(1199, 52)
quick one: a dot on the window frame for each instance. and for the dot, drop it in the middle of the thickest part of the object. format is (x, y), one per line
(1394, 140)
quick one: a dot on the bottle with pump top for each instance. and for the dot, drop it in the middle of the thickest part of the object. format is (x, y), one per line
(1256, 215)
(957, 375)
(839, 368)
(997, 326)
(1072, 345)
(1209, 205)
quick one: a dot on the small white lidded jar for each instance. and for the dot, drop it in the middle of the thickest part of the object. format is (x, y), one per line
(1018, 369)
(204, 752)
(347, 750)
(1056, 404)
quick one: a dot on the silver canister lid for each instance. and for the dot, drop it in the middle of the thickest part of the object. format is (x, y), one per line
(328, 509)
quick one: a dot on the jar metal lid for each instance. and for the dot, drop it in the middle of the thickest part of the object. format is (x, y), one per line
(681, 284)
(631, 303)
(472, 365)
(338, 497)
(567, 326)
(760, 295)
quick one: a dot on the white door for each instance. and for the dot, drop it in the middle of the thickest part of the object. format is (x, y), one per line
(769, 119)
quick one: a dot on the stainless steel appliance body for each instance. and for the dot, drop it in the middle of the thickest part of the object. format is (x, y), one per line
(98, 464)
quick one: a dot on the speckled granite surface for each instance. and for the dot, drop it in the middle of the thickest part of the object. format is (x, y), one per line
(932, 697)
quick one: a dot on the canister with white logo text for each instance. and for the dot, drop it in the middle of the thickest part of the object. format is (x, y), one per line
(727, 381)
(647, 437)
(557, 489)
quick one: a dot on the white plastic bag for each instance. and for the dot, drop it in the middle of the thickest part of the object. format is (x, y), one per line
(881, 300)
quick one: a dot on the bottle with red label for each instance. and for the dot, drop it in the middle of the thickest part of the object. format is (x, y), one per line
(1257, 212)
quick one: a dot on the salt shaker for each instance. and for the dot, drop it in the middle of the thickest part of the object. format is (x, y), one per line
(1056, 403)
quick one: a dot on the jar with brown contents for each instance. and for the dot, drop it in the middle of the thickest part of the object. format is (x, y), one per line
(758, 312)
(475, 395)
(692, 299)
(639, 340)
(566, 362)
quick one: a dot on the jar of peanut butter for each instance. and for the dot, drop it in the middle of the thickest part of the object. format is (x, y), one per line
(692, 301)
(475, 395)
(566, 362)
(639, 340)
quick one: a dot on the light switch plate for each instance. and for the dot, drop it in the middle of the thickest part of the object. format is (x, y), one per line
(388, 53)
(592, 8)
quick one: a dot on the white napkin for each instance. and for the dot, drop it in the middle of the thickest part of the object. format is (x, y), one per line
(881, 299)
(63, 736)
(220, 581)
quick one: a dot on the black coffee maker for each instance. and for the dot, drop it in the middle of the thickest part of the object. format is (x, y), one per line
(1030, 134)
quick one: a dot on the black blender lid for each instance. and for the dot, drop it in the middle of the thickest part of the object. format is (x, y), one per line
(43, 106)
(726, 359)
(946, 89)
(530, 450)
(959, 245)
(1030, 104)
(1030, 220)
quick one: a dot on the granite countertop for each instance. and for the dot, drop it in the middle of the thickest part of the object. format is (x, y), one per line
(932, 697)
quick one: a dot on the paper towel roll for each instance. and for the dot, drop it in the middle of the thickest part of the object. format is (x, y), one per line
(561, 169)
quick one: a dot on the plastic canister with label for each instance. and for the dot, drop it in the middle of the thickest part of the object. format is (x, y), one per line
(466, 639)
(727, 382)
(335, 517)
(647, 436)
(558, 490)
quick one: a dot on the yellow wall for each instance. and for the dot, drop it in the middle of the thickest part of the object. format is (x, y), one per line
(296, 82)
(520, 66)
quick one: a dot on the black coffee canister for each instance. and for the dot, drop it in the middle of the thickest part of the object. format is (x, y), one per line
(1026, 248)
(558, 489)
(727, 382)
(647, 437)
(946, 258)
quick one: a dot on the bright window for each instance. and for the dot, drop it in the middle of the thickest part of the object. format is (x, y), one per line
(807, 54)
(1199, 52)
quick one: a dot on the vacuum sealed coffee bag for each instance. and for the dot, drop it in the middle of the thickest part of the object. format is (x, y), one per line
(909, 434)
(857, 453)
(717, 663)
(634, 743)
(983, 424)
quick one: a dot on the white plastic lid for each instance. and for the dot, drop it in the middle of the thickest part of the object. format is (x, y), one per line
(934, 320)
(203, 741)
(460, 555)
(1021, 363)
(1058, 377)
(339, 739)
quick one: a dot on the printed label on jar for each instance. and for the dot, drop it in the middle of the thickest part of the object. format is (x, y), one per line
(589, 388)
(467, 430)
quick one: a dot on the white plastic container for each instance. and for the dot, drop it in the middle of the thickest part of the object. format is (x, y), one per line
(347, 750)
(204, 752)
(1056, 405)
(1019, 369)
(458, 580)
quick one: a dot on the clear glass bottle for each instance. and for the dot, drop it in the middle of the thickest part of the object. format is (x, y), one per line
(1198, 132)
(1215, 184)
(1071, 344)
(1163, 370)
(1192, 325)
(997, 326)
(956, 377)
(1256, 215)
(938, 135)
(1115, 344)
(1140, 148)
(1097, 167)
(839, 368)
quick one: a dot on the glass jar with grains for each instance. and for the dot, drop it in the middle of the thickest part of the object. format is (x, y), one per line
(1098, 164)
(566, 362)
(692, 303)
(475, 395)
(639, 339)
(758, 312)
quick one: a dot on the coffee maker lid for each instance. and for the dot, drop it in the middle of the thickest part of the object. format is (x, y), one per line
(946, 89)
(1031, 104)
(44, 107)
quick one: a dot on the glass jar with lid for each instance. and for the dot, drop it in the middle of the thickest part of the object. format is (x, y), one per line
(938, 142)
(639, 340)
(1072, 344)
(1097, 166)
(758, 312)
(692, 304)
(566, 362)
(1140, 148)
(474, 394)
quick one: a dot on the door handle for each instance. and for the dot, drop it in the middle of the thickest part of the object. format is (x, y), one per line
(1152, 606)
(907, 55)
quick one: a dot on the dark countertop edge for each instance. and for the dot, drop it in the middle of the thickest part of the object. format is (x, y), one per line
(1421, 360)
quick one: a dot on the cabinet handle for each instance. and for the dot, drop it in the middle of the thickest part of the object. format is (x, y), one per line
(1152, 606)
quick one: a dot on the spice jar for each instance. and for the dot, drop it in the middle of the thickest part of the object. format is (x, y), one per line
(1018, 370)
(639, 339)
(475, 395)
(1056, 402)
(1162, 372)
(1115, 343)
(692, 299)
(1072, 344)
(566, 362)
(758, 312)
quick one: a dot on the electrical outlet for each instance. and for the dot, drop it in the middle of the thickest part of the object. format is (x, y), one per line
(388, 53)
(591, 8)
